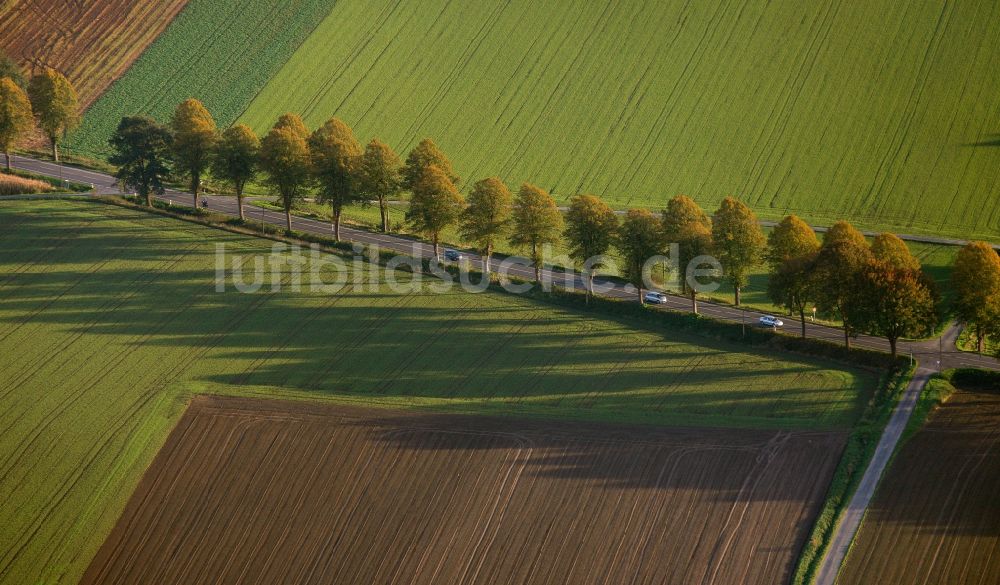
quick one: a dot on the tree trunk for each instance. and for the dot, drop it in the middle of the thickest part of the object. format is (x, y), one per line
(892, 347)
(642, 301)
(536, 262)
(736, 293)
(149, 200)
(489, 256)
(802, 319)
(847, 338)
(336, 224)
(980, 340)
(694, 300)
(7, 152)
(437, 248)
(55, 149)
(590, 285)
(288, 219)
(195, 184)
(239, 202)
(385, 215)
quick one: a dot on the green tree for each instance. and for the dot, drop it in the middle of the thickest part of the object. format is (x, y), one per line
(842, 231)
(792, 285)
(54, 101)
(425, 155)
(141, 151)
(487, 217)
(591, 229)
(236, 159)
(894, 302)
(640, 237)
(336, 160)
(380, 176)
(436, 204)
(537, 222)
(890, 248)
(284, 158)
(791, 238)
(837, 265)
(739, 242)
(195, 136)
(10, 68)
(15, 115)
(975, 279)
(686, 224)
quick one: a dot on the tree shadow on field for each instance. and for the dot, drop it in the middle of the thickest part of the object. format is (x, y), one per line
(136, 288)
(988, 140)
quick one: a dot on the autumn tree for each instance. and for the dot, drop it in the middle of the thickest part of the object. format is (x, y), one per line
(843, 231)
(15, 115)
(195, 136)
(738, 242)
(591, 229)
(10, 68)
(537, 221)
(336, 159)
(640, 237)
(890, 248)
(284, 158)
(792, 284)
(294, 123)
(791, 238)
(488, 216)
(687, 225)
(380, 176)
(435, 205)
(425, 155)
(975, 279)
(141, 151)
(54, 102)
(837, 265)
(236, 159)
(894, 302)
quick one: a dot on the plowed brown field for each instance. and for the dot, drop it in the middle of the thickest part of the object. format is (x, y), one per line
(274, 492)
(936, 516)
(91, 41)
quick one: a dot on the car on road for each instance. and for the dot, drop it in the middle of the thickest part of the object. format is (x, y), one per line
(453, 256)
(655, 298)
(771, 321)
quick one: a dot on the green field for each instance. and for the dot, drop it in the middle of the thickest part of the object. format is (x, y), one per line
(110, 320)
(885, 113)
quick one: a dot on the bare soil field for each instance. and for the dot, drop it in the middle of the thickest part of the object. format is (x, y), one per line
(249, 491)
(92, 42)
(936, 517)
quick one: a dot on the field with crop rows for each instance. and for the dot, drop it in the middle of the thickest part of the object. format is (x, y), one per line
(222, 53)
(92, 42)
(935, 517)
(290, 493)
(111, 320)
(882, 112)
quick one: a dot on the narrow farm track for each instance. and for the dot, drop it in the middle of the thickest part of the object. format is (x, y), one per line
(470, 496)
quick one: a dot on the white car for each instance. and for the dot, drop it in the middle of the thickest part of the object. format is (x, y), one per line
(770, 321)
(655, 298)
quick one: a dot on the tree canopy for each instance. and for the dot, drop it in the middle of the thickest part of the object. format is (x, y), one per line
(640, 237)
(236, 156)
(195, 136)
(380, 176)
(15, 115)
(837, 265)
(435, 205)
(893, 302)
(10, 68)
(686, 224)
(890, 248)
(423, 156)
(591, 229)
(738, 242)
(792, 285)
(791, 238)
(976, 281)
(537, 221)
(336, 158)
(843, 231)
(141, 151)
(488, 216)
(284, 157)
(55, 104)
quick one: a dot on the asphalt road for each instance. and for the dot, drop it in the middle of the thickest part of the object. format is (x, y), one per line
(934, 354)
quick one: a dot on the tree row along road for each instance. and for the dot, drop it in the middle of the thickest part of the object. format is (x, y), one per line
(929, 352)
